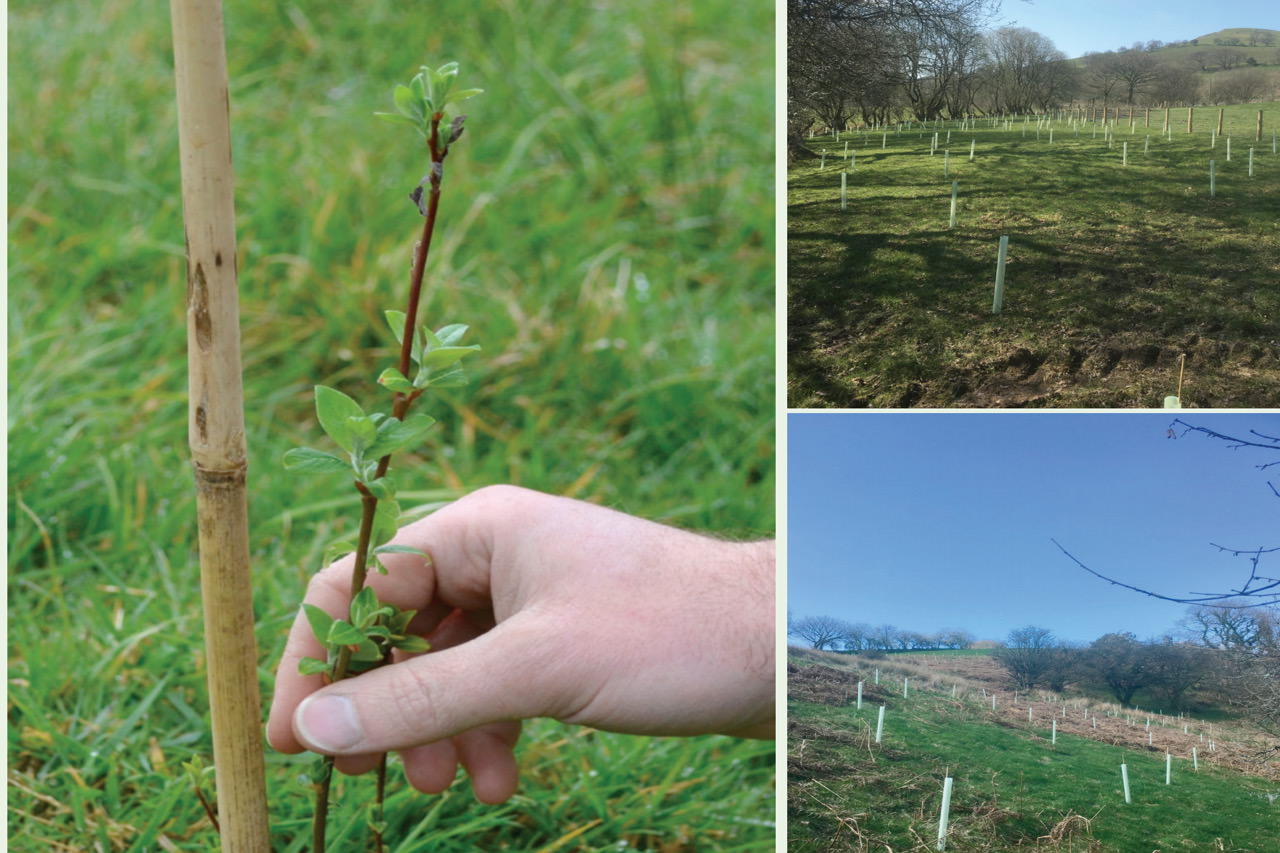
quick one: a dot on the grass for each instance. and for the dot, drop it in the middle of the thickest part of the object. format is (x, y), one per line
(605, 228)
(1013, 788)
(1115, 272)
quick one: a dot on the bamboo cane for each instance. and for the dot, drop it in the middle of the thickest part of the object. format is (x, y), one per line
(216, 424)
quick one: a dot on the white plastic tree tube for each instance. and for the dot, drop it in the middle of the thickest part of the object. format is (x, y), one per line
(998, 301)
(859, 695)
(944, 814)
(1168, 768)
(880, 725)
(1124, 779)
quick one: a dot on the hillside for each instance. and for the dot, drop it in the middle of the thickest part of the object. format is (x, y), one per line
(1200, 51)
(1049, 783)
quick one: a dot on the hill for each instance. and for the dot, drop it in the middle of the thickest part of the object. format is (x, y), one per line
(1049, 783)
(1243, 43)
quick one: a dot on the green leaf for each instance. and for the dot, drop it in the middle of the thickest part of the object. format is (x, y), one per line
(450, 335)
(344, 634)
(401, 549)
(320, 621)
(383, 488)
(397, 435)
(363, 606)
(400, 119)
(335, 411)
(463, 94)
(398, 621)
(438, 357)
(407, 104)
(386, 519)
(394, 380)
(363, 430)
(366, 650)
(411, 643)
(308, 461)
(312, 666)
(453, 377)
(377, 632)
(395, 319)
(335, 551)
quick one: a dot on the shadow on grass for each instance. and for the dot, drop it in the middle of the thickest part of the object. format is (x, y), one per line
(1114, 274)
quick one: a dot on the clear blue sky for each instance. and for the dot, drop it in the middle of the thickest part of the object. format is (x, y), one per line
(944, 519)
(1078, 26)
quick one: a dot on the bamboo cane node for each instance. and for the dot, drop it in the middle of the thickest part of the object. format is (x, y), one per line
(233, 477)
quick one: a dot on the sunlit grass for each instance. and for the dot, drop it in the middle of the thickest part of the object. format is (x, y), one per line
(1115, 271)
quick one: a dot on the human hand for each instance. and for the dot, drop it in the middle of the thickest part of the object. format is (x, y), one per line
(539, 606)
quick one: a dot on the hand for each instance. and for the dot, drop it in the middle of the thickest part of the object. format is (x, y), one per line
(539, 606)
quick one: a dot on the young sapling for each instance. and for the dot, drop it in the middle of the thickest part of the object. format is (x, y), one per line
(428, 360)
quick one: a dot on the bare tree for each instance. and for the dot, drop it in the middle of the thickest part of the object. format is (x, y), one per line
(1227, 58)
(818, 631)
(1135, 69)
(1120, 661)
(1258, 589)
(1240, 87)
(1028, 655)
(1025, 67)
(1101, 77)
(1174, 85)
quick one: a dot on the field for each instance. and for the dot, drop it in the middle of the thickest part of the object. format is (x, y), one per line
(1115, 272)
(1015, 787)
(606, 229)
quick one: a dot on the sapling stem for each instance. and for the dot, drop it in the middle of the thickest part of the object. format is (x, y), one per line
(375, 628)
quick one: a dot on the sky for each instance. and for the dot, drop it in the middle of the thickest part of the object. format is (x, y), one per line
(1078, 26)
(937, 520)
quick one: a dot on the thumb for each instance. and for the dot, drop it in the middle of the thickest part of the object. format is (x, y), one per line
(498, 676)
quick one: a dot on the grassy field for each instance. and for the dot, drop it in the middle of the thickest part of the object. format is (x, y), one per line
(1014, 788)
(606, 229)
(1115, 272)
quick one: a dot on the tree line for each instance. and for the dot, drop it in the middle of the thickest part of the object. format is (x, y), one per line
(830, 633)
(856, 62)
(1228, 654)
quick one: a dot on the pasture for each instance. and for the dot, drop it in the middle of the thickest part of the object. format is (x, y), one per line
(1049, 783)
(1123, 270)
(606, 229)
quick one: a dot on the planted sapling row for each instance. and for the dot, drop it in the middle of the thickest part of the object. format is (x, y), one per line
(429, 360)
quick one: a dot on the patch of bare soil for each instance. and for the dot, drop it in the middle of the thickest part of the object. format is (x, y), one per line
(1128, 369)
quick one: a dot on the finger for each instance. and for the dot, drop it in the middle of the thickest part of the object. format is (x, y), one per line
(431, 768)
(488, 754)
(505, 674)
(458, 536)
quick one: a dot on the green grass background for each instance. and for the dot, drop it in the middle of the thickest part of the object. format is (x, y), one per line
(1114, 271)
(606, 228)
(1012, 786)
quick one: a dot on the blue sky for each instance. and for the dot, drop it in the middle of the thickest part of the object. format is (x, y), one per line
(935, 519)
(1077, 26)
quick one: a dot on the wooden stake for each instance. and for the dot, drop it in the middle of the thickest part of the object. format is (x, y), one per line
(216, 422)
